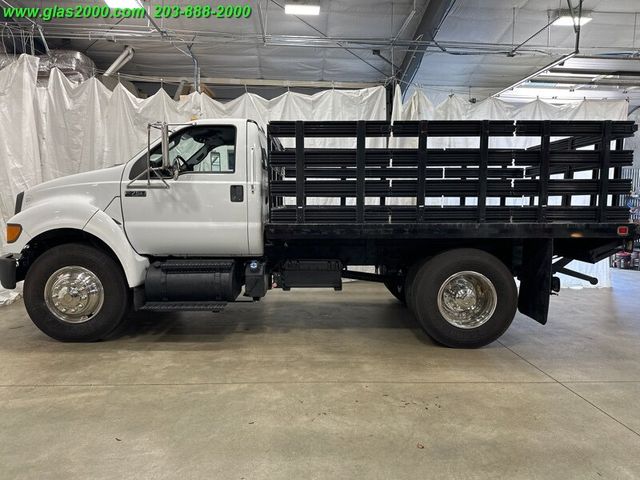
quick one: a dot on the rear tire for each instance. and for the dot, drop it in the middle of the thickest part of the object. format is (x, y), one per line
(409, 282)
(76, 293)
(464, 298)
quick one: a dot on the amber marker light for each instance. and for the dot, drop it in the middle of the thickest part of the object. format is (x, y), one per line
(13, 232)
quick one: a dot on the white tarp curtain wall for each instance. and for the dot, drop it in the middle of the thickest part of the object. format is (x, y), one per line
(418, 107)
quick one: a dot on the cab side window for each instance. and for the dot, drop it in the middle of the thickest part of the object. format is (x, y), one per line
(199, 149)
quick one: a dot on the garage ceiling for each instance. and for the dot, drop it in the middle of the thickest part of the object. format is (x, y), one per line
(295, 48)
(470, 57)
(611, 33)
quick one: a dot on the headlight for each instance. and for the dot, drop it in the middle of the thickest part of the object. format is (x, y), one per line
(19, 199)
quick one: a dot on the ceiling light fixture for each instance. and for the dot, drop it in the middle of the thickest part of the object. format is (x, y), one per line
(301, 9)
(123, 3)
(567, 21)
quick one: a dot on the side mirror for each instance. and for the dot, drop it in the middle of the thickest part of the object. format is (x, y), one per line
(153, 171)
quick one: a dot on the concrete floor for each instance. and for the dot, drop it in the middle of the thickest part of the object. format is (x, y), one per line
(322, 385)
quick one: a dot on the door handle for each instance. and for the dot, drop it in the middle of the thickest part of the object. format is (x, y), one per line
(237, 193)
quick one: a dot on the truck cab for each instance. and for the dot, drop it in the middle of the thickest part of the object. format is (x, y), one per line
(210, 201)
(199, 193)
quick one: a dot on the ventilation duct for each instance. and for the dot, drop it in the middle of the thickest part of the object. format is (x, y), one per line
(121, 61)
(76, 66)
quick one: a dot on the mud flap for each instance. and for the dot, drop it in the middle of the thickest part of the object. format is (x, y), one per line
(535, 279)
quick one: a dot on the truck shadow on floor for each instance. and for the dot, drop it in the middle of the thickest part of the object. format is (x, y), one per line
(277, 317)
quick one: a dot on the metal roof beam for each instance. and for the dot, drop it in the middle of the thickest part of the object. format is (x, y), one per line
(432, 18)
(595, 71)
(612, 82)
(253, 82)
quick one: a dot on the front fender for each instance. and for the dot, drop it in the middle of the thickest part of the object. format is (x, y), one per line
(71, 212)
(106, 229)
(77, 214)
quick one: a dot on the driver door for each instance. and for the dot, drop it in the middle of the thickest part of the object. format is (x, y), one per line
(199, 210)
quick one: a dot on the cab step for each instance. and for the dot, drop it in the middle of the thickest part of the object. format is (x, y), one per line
(184, 306)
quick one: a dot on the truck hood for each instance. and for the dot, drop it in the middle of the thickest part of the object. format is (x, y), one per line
(97, 188)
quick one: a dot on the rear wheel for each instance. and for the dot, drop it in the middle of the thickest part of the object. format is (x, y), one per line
(409, 282)
(76, 292)
(464, 298)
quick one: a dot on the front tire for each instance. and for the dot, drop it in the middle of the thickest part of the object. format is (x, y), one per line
(76, 293)
(464, 298)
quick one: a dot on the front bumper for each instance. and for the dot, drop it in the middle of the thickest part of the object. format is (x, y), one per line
(8, 271)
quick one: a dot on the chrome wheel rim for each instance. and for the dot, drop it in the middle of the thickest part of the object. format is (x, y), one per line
(467, 299)
(74, 294)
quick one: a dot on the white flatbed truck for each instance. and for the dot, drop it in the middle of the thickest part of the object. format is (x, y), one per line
(217, 207)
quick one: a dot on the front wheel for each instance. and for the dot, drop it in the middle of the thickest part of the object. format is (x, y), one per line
(76, 293)
(464, 298)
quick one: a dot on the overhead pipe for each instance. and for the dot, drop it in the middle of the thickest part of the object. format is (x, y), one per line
(253, 82)
(44, 42)
(406, 23)
(207, 38)
(263, 29)
(560, 61)
(196, 73)
(121, 61)
(544, 69)
(196, 69)
(513, 51)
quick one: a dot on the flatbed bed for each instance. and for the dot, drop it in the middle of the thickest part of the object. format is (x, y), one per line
(555, 180)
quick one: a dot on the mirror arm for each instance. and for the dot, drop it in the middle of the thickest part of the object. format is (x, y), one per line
(164, 128)
(165, 158)
(149, 185)
(165, 145)
(148, 155)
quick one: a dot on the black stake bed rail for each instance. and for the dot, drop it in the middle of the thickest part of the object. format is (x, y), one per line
(538, 179)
